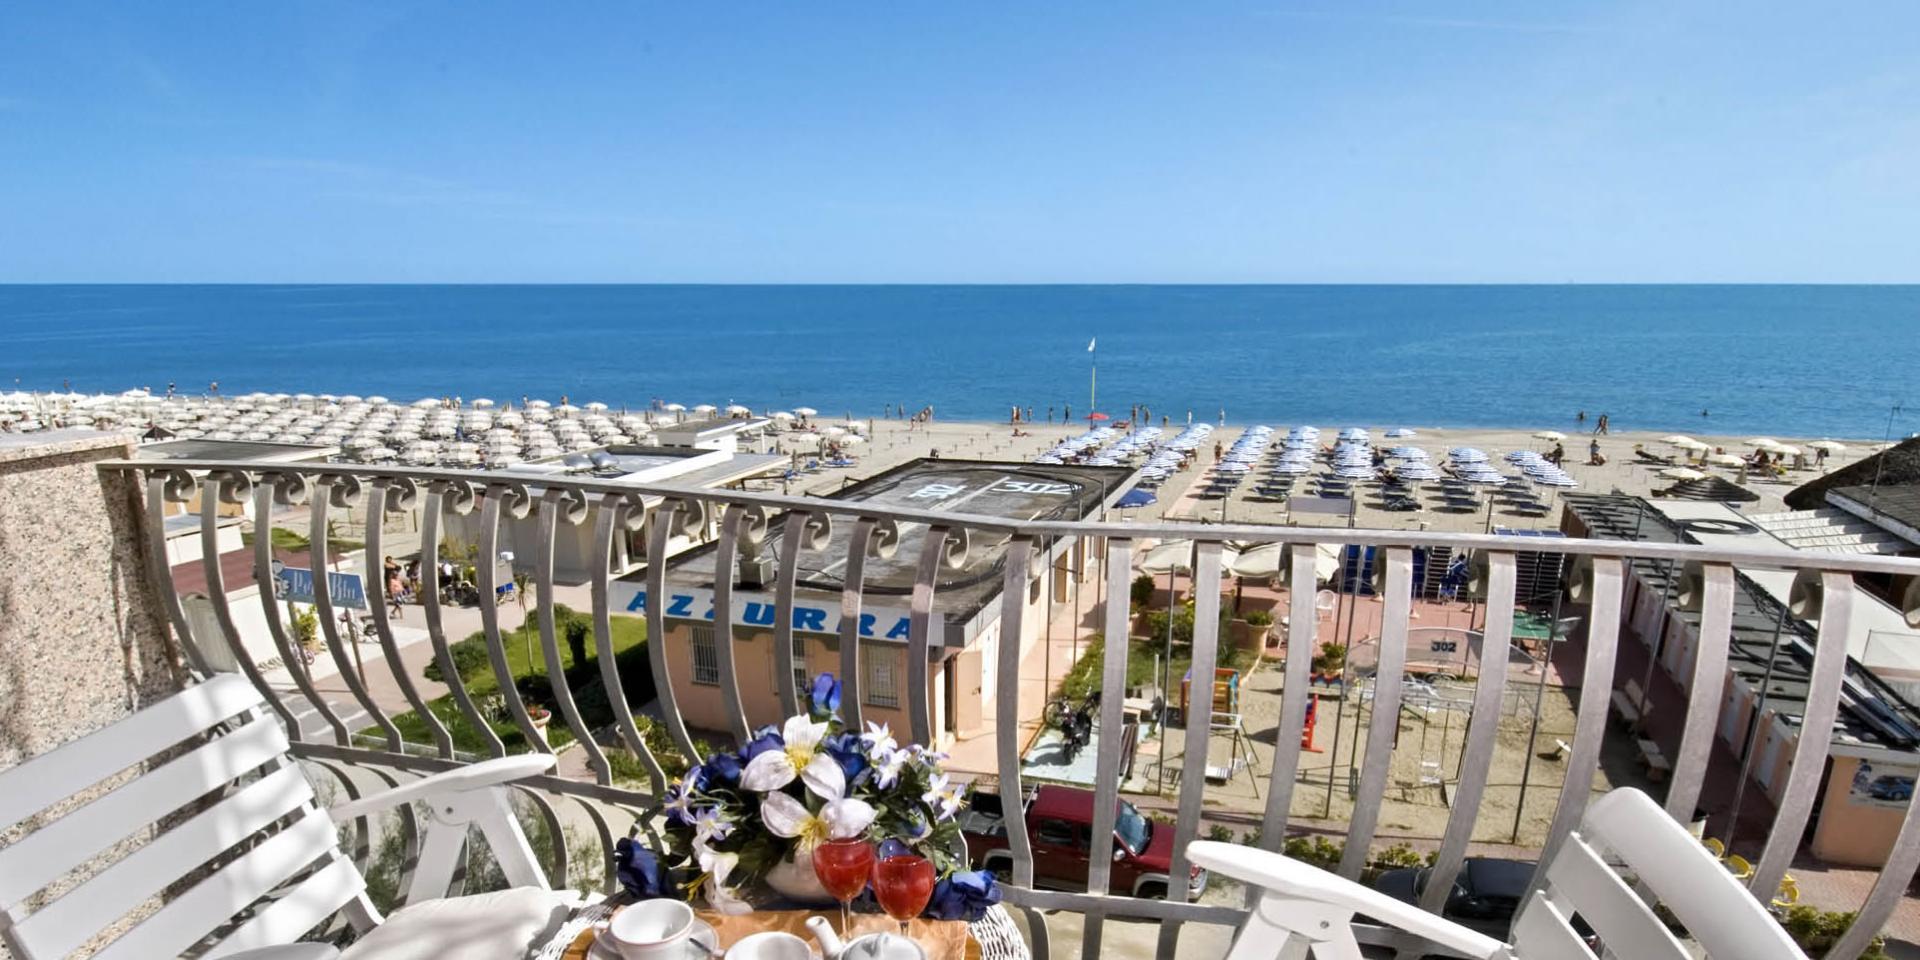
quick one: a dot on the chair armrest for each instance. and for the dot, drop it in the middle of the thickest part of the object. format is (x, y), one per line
(473, 776)
(290, 951)
(1291, 879)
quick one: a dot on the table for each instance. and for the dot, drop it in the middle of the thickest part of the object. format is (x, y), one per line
(992, 937)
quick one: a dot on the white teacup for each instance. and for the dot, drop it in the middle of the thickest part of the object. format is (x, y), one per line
(883, 946)
(651, 929)
(770, 945)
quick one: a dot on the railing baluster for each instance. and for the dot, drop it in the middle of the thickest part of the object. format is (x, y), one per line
(1106, 778)
(1198, 720)
(859, 544)
(665, 518)
(933, 554)
(611, 883)
(797, 530)
(330, 492)
(723, 576)
(1810, 751)
(1303, 623)
(1590, 722)
(1483, 727)
(231, 487)
(456, 496)
(618, 512)
(1383, 722)
(1006, 705)
(557, 504)
(1703, 694)
(515, 502)
(291, 488)
(387, 493)
(164, 487)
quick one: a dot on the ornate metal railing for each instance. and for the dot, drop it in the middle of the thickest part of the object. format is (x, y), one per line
(1602, 572)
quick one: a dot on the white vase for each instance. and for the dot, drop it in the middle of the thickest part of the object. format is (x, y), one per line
(795, 880)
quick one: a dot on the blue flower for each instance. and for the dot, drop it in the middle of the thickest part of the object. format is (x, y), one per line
(963, 896)
(641, 871)
(824, 696)
(764, 739)
(847, 749)
(891, 847)
(679, 801)
(721, 770)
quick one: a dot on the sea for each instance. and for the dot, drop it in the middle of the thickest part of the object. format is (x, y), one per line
(1799, 361)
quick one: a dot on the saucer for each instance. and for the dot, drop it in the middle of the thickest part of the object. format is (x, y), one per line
(603, 949)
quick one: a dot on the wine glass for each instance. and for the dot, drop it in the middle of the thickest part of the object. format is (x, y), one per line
(903, 885)
(843, 866)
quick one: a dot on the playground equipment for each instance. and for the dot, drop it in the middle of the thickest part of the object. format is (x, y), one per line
(1240, 755)
(1226, 691)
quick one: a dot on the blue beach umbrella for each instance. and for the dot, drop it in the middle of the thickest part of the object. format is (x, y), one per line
(1135, 498)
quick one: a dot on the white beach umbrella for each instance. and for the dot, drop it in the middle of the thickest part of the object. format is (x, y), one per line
(538, 405)
(675, 407)
(426, 403)
(806, 411)
(734, 409)
(1692, 444)
(782, 416)
(382, 453)
(1682, 473)
(1724, 460)
(1549, 435)
(596, 407)
(1171, 556)
(1678, 439)
(481, 403)
(1786, 449)
(705, 408)
(1762, 441)
(1830, 446)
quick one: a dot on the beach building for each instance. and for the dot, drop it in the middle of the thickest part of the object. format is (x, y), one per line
(1874, 755)
(965, 616)
(709, 459)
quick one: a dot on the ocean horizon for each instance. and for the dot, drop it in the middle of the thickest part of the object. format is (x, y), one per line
(1791, 360)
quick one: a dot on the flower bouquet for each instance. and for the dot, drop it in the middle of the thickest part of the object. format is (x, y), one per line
(752, 817)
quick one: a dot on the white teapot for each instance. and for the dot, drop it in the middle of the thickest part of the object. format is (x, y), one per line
(872, 946)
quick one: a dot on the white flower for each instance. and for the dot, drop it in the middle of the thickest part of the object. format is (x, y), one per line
(944, 799)
(710, 824)
(838, 819)
(926, 758)
(887, 767)
(879, 740)
(802, 758)
(680, 799)
(718, 866)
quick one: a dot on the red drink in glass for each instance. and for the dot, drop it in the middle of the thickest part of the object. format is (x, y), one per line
(843, 866)
(903, 885)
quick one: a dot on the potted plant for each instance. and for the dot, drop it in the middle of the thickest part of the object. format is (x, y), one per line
(744, 823)
(541, 717)
(1259, 629)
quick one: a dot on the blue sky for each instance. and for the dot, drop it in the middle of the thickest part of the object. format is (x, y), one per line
(971, 142)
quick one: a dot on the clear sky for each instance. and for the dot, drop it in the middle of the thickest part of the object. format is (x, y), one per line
(1338, 141)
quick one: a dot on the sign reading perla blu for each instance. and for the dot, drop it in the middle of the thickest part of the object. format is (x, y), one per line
(688, 603)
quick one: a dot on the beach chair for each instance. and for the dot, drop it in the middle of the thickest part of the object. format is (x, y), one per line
(1739, 867)
(262, 836)
(1301, 902)
(1715, 847)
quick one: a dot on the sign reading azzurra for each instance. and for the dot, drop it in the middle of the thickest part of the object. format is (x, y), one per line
(750, 610)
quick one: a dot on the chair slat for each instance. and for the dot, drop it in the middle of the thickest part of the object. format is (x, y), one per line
(187, 918)
(316, 898)
(1580, 878)
(66, 923)
(1542, 931)
(33, 785)
(48, 853)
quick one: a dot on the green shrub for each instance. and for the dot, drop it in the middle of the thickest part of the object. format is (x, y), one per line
(1251, 838)
(1815, 930)
(1142, 590)
(1220, 832)
(1329, 658)
(576, 631)
(1259, 618)
(469, 658)
(1317, 850)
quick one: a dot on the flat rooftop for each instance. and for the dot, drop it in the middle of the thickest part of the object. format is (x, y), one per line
(1013, 491)
(242, 450)
(1893, 507)
(1871, 711)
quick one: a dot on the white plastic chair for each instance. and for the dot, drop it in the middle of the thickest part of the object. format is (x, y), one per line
(1325, 603)
(1304, 901)
(233, 750)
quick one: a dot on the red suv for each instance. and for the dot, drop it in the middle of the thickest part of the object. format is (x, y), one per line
(1060, 826)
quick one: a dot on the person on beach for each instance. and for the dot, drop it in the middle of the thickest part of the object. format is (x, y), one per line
(1066, 413)
(1557, 455)
(1029, 418)
(1580, 417)
(1594, 459)
(1049, 414)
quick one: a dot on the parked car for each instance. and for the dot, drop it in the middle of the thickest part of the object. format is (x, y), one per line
(1485, 895)
(1891, 788)
(1060, 826)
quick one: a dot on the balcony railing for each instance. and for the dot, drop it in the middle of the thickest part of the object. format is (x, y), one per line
(785, 526)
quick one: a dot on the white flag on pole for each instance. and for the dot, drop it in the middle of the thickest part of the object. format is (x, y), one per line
(1090, 345)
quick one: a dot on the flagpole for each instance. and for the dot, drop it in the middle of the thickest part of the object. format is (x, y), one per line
(1093, 378)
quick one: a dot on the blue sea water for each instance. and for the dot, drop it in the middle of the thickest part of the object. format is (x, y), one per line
(1789, 360)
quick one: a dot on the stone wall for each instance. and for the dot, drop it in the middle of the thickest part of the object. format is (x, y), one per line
(82, 637)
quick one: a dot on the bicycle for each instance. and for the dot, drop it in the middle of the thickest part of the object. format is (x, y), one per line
(1075, 723)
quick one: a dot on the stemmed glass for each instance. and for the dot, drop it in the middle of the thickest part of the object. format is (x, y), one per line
(843, 866)
(903, 885)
